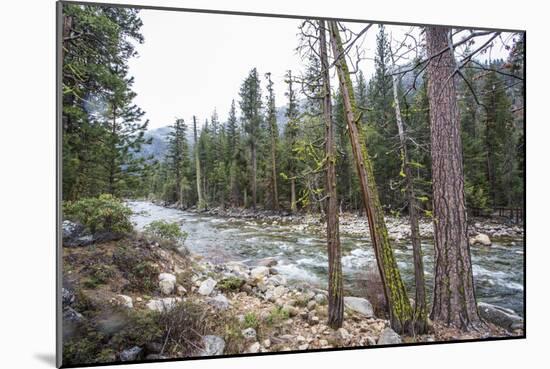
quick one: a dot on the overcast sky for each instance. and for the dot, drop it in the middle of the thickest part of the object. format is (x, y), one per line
(192, 63)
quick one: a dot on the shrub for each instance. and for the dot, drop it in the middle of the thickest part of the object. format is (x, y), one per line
(97, 274)
(250, 320)
(277, 315)
(168, 231)
(231, 284)
(136, 268)
(105, 213)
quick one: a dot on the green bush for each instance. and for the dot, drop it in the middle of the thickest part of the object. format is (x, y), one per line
(166, 231)
(231, 284)
(250, 320)
(140, 272)
(98, 274)
(277, 315)
(105, 213)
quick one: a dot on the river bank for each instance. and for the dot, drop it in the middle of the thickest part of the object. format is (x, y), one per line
(136, 299)
(353, 224)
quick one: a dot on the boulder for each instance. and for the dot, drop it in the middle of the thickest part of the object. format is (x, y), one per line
(481, 239)
(259, 272)
(389, 337)
(167, 283)
(71, 315)
(500, 316)
(277, 280)
(249, 334)
(321, 299)
(164, 304)
(219, 302)
(267, 262)
(207, 286)
(131, 354)
(75, 234)
(125, 301)
(67, 296)
(311, 305)
(212, 346)
(359, 305)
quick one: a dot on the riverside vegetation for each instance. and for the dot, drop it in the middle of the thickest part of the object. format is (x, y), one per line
(399, 162)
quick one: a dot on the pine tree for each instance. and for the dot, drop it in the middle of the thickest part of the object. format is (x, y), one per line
(271, 119)
(291, 133)
(178, 160)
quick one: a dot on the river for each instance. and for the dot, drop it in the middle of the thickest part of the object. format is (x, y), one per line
(301, 255)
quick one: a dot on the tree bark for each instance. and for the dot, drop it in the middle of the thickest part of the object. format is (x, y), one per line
(273, 127)
(293, 194)
(420, 308)
(254, 169)
(400, 311)
(200, 204)
(335, 284)
(454, 302)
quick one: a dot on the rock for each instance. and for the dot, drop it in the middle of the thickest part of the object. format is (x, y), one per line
(305, 346)
(481, 239)
(155, 357)
(312, 319)
(75, 234)
(267, 262)
(342, 334)
(321, 299)
(279, 291)
(219, 302)
(131, 354)
(212, 346)
(181, 290)
(277, 280)
(370, 341)
(323, 343)
(125, 301)
(165, 304)
(71, 315)
(259, 272)
(389, 337)
(500, 316)
(167, 283)
(253, 348)
(266, 343)
(67, 296)
(249, 334)
(359, 305)
(311, 305)
(207, 286)
(291, 310)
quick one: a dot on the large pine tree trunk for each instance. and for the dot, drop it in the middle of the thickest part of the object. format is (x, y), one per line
(400, 311)
(274, 167)
(335, 284)
(254, 170)
(293, 194)
(200, 204)
(421, 310)
(454, 301)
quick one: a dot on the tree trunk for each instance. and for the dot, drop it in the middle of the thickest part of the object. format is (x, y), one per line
(254, 169)
(335, 284)
(200, 204)
(454, 302)
(420, 308)
(274, 167)
(400, 311)
(293, 194)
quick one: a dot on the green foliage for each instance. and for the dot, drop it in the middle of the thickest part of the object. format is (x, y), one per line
(105, 213)
(277, 316)
(164, 230)
(231, 284)
(251, 320)
(97, 274)
(140, 272)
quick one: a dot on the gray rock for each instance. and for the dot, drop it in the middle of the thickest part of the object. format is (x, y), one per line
(125, 301)
(359, 305)
(213, 346)
(321, 299)
(207, 287)
(500, 316)
(253, 348)
(311, 305)
(165, 304)
(249, 334)
(167, 283)
(219, 302)
(131, 354)
(277, 280)
(71, 315)
(259, 272)
(481, 239)
(67, 296)
(75, 234)
(389, 337)
(267, 262)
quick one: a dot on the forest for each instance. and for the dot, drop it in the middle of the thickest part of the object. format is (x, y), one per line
(435, 135)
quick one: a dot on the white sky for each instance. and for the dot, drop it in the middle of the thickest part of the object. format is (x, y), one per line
(193, 63)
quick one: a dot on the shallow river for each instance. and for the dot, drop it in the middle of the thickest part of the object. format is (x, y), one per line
(498, 270)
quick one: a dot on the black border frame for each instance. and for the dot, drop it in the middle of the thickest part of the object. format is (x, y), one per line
(59, 183)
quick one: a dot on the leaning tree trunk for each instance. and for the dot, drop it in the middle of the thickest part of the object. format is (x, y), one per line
(454, 301)
(335, 284)
(400, 311)
(420, 308)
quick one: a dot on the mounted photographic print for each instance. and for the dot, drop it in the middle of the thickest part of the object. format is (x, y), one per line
(236, 184)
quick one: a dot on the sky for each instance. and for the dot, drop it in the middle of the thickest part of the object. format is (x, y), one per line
(193, 63)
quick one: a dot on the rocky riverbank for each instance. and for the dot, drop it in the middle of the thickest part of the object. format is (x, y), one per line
(135, 299)
(480, 230)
